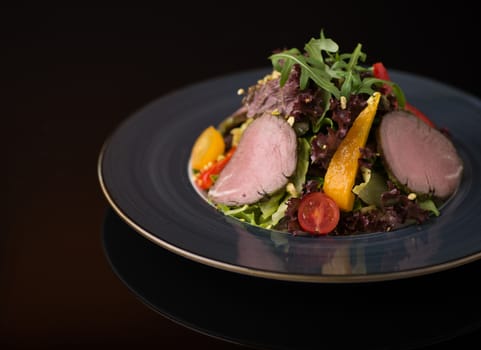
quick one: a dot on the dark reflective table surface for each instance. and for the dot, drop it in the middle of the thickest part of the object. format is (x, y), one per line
(73, 275)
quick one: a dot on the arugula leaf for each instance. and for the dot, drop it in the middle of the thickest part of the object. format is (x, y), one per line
(338, 74)
(366, 86)
(322, 120)
(315, 47)
(288, 59)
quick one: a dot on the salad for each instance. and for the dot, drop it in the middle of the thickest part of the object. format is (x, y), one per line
(326, 144)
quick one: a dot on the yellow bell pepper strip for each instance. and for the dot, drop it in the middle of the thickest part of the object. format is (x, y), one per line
(208, 146)
(341, 172)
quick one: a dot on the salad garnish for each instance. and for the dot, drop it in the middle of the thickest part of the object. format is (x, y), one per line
(326, 144)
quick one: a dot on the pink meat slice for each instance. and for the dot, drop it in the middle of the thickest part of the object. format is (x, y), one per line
(419, 156)
(265, 157)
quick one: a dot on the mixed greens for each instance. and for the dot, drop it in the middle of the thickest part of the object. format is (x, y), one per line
(341, 185)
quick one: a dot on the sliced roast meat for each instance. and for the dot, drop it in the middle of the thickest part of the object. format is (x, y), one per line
(268, 95)
(264, 159)
(418, 156)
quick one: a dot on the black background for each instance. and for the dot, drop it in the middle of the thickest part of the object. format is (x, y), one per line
(69, 76)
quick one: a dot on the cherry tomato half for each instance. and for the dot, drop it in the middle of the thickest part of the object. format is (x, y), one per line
(318, 213)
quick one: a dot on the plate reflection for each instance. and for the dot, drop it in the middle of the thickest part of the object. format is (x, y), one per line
(273, 314)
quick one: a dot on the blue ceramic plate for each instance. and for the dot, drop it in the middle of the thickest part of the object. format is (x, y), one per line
(143, 172)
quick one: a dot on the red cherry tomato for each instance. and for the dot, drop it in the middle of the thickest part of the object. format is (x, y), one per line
(318, 213)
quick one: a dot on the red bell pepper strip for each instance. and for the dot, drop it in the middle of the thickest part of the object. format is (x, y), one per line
(410, 108)
(379, 71)
(204, 180)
